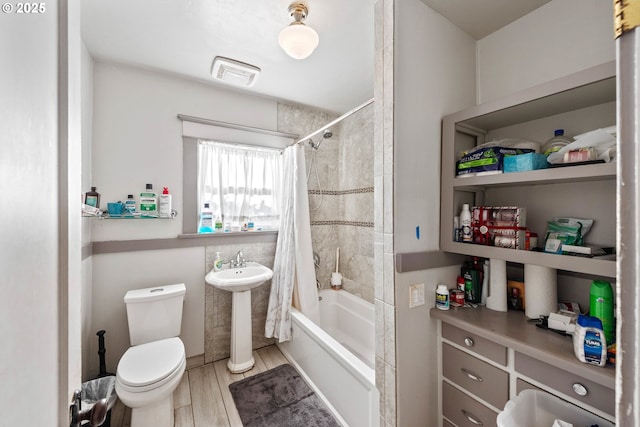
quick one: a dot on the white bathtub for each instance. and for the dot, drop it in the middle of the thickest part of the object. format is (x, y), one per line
(339, 358)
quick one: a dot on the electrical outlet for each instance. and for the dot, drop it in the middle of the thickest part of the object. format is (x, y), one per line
(416, 295)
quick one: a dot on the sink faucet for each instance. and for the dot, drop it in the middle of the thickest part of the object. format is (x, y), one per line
(239, 261)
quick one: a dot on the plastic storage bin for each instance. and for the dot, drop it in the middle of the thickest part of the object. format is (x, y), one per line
(535, 408)
(97, 389)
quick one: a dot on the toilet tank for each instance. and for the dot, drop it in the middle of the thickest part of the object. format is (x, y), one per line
(154, 313)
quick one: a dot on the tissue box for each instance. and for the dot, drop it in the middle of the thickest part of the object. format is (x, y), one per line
(525, 162)
(503, 226)
(488, 160)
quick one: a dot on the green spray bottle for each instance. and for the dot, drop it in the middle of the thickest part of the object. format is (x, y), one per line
(601, 306)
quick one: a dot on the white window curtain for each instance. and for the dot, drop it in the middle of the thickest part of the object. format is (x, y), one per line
(240, 183)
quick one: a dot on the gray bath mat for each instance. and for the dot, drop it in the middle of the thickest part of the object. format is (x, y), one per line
(279, 397)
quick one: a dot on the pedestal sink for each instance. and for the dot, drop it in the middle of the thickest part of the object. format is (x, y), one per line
(239, 281)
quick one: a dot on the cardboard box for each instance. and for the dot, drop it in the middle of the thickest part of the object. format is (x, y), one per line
(503, 226)
(525, 162)
(488, 160)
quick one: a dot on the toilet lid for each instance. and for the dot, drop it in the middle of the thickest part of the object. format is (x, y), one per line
(150, 363)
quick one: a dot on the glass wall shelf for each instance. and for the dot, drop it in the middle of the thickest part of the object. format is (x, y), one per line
(137, 215)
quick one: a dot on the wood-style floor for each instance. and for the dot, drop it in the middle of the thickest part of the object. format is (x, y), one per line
(203, 398)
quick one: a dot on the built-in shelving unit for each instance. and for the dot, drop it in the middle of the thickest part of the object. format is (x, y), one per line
(583, 101)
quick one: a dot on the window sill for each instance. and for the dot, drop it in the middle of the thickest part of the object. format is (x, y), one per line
(229, 234)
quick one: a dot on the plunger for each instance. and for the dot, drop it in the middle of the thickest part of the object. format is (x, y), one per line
(101, 353)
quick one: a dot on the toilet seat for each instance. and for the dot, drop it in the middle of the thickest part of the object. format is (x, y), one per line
(148, 366)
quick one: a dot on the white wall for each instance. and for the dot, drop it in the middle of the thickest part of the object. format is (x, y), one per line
(88, 335)
(115, 274)
(137, 138)
(29, 257)
(434, 75)
(557, 39)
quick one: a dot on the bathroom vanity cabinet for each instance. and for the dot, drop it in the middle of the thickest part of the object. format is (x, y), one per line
(488, 357)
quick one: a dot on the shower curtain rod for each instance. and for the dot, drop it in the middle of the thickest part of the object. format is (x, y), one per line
(339, 119)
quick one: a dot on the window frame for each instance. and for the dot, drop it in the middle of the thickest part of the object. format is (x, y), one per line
(194, 129)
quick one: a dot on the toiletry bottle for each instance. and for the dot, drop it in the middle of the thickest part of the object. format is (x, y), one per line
(227, 227)
(92, 198)
(149, 201)
(218, 225)
(589, 342)
(554, 144)
(250, 225)
(206, 220)
(130, 205)
(456, 229)
(442, 297)
(165, 204)
(601, 306)
(217, 263)
(465, 222)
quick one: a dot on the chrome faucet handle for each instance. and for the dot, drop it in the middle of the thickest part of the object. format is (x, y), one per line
(240, 261)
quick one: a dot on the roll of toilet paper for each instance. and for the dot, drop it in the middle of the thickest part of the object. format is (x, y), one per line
(541, 290)
(497, 296)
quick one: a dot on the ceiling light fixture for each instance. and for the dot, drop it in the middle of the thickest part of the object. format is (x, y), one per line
(234, 72)
(297, 39)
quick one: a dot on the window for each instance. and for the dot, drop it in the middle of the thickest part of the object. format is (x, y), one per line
(240, 183)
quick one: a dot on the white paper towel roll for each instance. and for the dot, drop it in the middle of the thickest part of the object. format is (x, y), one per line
(497, 298)
(541, 290)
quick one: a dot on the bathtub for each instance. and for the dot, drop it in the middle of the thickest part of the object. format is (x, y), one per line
(339, 358)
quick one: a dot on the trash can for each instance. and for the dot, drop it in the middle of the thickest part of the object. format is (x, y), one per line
(97, 389)
(536, 408)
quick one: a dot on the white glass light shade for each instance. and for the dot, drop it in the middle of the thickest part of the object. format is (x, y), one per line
(298, 40)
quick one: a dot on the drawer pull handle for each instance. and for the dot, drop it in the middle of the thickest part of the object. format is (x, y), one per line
(472, 375)
(468, 341)
(472, 418)
(580, 390)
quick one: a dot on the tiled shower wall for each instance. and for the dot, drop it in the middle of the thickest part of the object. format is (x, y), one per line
(340, 193)
(343, 218)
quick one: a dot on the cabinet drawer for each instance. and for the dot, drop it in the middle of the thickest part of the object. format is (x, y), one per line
(465, 411)
(597, 395)
(482, 346)
(480, 378)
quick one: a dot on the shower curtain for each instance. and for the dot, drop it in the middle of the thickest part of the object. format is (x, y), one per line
(293, 270)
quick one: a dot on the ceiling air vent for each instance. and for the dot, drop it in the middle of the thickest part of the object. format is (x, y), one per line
(234, 72)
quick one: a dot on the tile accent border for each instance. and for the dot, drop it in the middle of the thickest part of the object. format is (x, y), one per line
(341, 192)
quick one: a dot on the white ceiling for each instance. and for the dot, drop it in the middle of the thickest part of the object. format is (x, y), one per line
(480, 18)
(182, 37)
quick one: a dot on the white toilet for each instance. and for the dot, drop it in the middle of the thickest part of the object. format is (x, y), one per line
(151, 369)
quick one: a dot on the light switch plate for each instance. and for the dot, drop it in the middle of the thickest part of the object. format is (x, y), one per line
(416, 295)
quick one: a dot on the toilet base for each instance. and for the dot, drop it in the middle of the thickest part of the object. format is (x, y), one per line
(159, 414)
